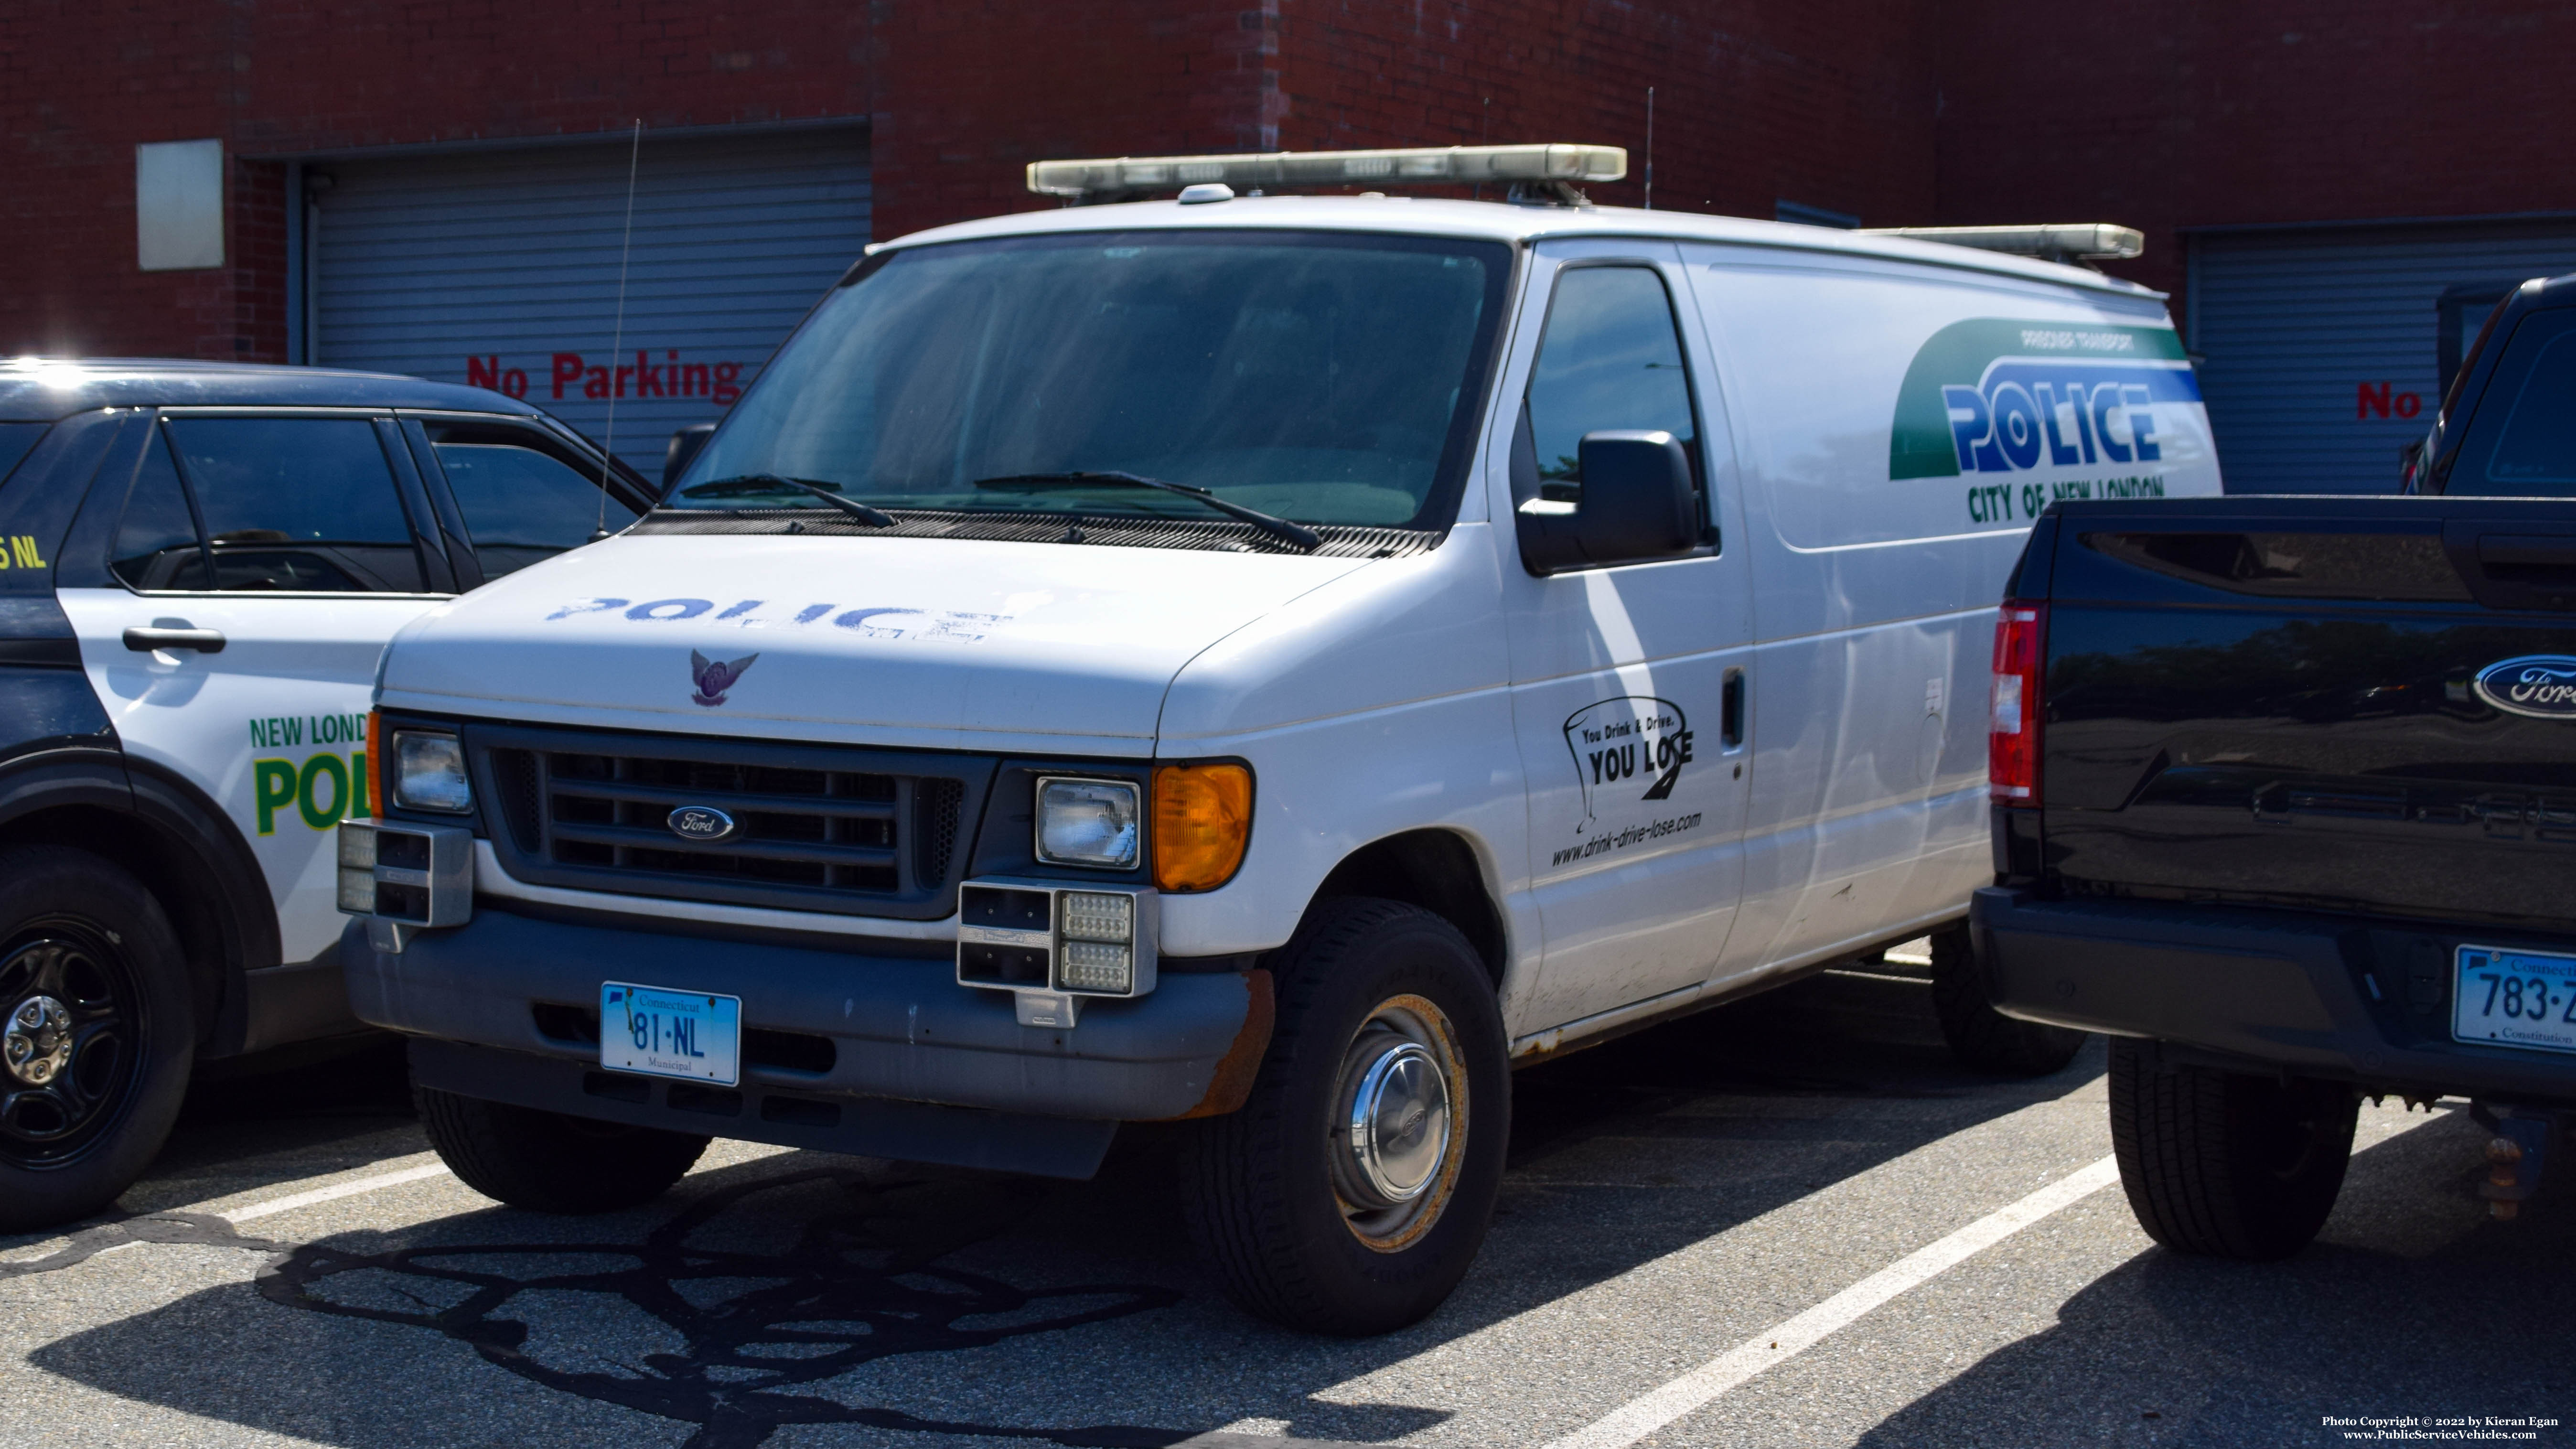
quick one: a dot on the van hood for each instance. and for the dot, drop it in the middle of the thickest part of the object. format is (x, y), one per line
(938, 643)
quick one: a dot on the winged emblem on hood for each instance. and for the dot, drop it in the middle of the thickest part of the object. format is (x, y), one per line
(714, 677)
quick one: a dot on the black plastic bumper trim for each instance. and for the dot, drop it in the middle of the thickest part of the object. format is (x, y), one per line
(2270, 990)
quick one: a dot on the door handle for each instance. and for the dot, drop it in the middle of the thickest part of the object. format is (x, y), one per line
(1730, 710)
(2529, 552)
(204, 641)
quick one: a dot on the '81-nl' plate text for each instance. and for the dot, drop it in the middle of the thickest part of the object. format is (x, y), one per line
(663, 1033)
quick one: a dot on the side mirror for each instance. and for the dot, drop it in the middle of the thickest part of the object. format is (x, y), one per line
(1639, 502)
(684, 446)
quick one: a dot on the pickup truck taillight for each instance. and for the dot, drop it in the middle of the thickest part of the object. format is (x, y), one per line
(2012, 737)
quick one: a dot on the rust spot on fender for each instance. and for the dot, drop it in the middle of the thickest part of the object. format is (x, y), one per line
(1231, 1083)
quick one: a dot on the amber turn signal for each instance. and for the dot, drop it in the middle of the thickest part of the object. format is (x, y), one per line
(367, 776)
(1202, 821)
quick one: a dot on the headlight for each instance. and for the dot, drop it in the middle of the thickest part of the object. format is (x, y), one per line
(429, 773)
(1087, 822)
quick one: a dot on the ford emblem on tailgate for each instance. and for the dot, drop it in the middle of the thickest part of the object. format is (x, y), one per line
(2542, 686)
(700, 822)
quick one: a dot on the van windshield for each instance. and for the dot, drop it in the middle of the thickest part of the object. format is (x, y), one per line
(1326, 379)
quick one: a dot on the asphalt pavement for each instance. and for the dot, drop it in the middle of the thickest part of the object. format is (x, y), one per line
(1791, 1221)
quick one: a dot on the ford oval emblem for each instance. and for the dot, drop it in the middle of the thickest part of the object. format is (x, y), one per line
(700, 822)
(2542, 686)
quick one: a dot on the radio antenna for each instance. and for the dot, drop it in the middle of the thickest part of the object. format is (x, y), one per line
(1486, 139)
(617, 334)
(1650, 148)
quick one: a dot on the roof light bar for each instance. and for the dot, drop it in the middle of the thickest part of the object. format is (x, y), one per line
(1415, 166)
(2063, 241)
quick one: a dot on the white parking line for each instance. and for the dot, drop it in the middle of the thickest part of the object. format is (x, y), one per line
(376, 1183)
(422, 1171)
(1642, 1416)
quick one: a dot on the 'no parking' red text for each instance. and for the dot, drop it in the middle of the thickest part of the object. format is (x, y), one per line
(719, 382)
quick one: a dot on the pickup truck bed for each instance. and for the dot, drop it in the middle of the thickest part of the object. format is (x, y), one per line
(2303, 768)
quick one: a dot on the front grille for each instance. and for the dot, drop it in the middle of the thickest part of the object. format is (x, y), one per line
(868, 832)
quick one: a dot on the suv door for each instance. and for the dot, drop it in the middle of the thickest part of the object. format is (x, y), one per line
(262, 561)
(1627, 680)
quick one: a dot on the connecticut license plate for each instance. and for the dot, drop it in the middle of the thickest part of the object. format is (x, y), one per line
(2515, 998)
(670, 1033)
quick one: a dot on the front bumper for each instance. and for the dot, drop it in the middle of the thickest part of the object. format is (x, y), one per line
(2337, 997)
(901, 1032)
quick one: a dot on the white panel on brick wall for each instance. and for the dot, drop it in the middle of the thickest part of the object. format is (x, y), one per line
(499, 269)
(2318, 345)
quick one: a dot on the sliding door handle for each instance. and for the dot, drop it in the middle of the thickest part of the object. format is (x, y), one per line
(204, 641)
(1730, 710)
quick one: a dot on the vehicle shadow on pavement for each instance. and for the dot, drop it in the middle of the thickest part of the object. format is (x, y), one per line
(908, 1305)
(327, 1106)
(2410, 1302)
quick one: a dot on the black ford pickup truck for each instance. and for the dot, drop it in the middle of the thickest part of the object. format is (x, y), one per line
(2285, 801)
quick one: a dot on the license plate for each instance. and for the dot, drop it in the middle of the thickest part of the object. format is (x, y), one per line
(2515, 998)
(663, 1033)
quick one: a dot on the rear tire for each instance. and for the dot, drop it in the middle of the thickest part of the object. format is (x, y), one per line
(551, 1163)
(1385, 1015)
(100, 1030)
(1980, 1037)
(2226, 1164)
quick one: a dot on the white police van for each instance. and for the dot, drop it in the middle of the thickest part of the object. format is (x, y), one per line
(1270, 660)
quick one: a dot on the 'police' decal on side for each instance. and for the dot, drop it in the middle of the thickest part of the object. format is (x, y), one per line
(2049, 410)
(325, 788)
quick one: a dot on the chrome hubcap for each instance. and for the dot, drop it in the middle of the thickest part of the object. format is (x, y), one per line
(1399, 1125)
(1399, 1114)
(38, 1042)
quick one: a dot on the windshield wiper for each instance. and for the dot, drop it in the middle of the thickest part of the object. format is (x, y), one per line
(747, 483)
(1305, 538)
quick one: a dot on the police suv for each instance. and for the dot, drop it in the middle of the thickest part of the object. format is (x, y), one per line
(1268, 661)
(199, 565)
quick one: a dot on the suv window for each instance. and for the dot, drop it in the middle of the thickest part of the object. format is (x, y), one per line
(303, 505)
(16, 439)
(1611, 358)
(523, 501)
(156, 538)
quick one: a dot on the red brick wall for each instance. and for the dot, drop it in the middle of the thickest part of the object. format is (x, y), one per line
(2285, 111)
(1827, 102)
(974, 90)
(1750, 107)
(83, 81)
(1894, 110)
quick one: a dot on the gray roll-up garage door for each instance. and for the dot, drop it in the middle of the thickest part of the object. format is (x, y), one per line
(2318, 346)
(500, 269)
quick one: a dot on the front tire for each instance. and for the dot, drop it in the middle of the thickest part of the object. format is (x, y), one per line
(1351, 1192)
(1980, 1037)
(2227, 1164)
(551, 1163)
(97, 1032)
